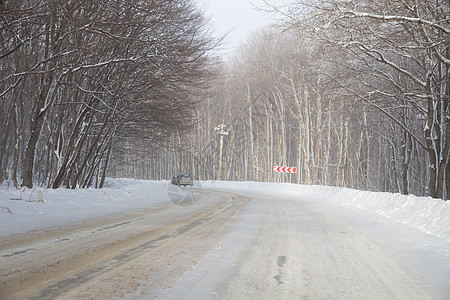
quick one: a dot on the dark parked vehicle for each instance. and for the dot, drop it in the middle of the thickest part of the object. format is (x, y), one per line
(182, 179)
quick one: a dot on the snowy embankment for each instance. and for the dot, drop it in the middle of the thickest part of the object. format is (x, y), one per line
(429, 215)
(20, 211)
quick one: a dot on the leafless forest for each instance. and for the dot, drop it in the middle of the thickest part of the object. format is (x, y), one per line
(82, 80)
(352, 93)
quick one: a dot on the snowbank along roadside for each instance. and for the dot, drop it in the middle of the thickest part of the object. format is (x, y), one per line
(21, 212)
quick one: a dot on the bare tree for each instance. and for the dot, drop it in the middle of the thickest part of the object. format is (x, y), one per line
(403, 47)
(93, 76)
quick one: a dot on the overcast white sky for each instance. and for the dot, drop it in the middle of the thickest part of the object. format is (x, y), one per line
(239, 17)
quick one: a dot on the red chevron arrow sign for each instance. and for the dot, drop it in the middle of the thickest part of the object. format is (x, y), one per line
(285, 169)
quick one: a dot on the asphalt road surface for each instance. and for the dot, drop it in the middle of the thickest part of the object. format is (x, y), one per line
(226, 246)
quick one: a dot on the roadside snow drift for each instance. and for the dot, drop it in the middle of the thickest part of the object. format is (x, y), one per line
(21, 211)
(429, 215)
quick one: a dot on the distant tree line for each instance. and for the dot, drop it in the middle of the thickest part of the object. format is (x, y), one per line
(352, 93)
(393, 58)
(80, 81)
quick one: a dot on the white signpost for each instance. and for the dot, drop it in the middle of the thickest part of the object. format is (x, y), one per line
(222, 130)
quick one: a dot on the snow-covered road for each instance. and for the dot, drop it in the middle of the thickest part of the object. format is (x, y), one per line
(278, 247)
(232, 244)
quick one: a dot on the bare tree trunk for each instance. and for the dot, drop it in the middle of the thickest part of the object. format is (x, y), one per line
(366, 150)
(340, 151)
(28, 162)
(345, 170)
(308, 159)
(318, 138)
(253, 157)
(71, 151)
(327, 150)
(105, 166)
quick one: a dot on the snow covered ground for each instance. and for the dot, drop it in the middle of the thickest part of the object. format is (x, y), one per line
(432, 216)
(21, 211)
(416, 227)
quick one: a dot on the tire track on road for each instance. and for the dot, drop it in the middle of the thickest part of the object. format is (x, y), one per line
(72, 268)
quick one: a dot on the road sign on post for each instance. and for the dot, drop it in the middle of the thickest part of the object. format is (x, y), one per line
(222, 130)
(285, 169)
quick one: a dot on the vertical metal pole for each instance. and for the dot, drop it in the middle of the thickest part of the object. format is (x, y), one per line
(221, 130)
(220, 156)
